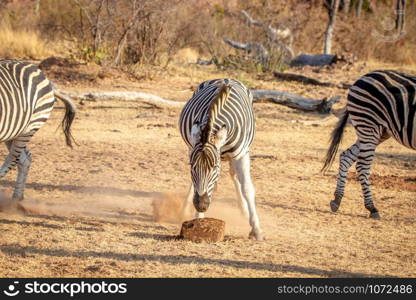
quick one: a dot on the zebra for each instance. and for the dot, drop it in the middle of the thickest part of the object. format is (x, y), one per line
(26, 101)
(380, 105)
(218, 122)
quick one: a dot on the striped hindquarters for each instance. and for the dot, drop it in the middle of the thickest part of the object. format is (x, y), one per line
(385, 99)
(236, 114)
(26, 98)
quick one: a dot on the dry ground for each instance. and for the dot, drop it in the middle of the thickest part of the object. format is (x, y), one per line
(90, 208)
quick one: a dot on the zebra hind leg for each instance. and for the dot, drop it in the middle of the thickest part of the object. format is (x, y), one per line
(9, 162)
(22, 158)
(23, 165)
(365, 158)
(346, 160)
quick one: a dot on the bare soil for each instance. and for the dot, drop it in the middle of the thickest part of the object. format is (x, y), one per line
(90, 210)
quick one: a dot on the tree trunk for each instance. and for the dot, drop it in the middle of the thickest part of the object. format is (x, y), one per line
(400, 15)
(359, 8)
(346, 8)
(295, 101)
(332, 14)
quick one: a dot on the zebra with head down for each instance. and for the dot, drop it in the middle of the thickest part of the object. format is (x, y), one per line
(218, 122)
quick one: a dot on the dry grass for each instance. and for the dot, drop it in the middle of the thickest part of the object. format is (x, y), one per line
(22, 43)
(173, 26)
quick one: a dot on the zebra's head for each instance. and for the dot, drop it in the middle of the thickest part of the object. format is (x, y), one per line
(205, 161)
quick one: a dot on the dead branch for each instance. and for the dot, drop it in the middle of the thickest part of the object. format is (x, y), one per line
(296, 101)
(278, 97)
(307, 80)
(254, 50)
(300, 78)
(250, 19)
(203, 62)
(318, 60)
(126, 96)
(275, 34)
(281, 37)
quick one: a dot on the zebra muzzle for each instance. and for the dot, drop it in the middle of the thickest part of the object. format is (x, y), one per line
(201, 203)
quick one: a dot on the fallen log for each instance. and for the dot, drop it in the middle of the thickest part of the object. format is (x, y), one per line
(307, 80)
(278, 97)
(300, 78)
(318, 60)
(127, 96)
(295, 101)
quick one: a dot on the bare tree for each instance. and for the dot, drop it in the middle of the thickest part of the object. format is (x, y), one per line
(278, 38)
(400, 15)
(4, 3)
(346, 6)
(93, 12)
(332, 14)
(137, 12)
(359, 8)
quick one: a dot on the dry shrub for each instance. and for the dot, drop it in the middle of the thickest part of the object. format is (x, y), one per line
(122, 32)
(21, 43)
(151, 32)
(366, 37)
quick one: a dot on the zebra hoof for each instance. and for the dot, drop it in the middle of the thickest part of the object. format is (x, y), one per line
(21, 208)
(334, 206)
(256, 235)
(375, 215)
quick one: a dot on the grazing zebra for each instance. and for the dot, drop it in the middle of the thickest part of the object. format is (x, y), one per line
(218, 121)
(26, 100)
(380, 104)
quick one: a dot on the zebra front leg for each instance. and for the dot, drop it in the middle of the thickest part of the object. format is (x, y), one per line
(245, 188)
(237, 185)
(365, 158)
(346, 159)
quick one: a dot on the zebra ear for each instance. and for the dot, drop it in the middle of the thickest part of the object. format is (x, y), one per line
(218, 139)
(195, 134)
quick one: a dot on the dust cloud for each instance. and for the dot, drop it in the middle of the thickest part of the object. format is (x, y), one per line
(105, 203)
(168, 208)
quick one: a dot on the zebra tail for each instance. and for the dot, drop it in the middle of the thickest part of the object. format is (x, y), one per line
(336, 138)
(69, 117)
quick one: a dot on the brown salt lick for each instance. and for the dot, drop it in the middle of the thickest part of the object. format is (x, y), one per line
(208, 230)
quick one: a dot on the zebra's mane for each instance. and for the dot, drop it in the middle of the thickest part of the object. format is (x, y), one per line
(216, 105)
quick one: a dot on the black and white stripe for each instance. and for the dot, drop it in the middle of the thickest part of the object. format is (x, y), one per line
(26, 101)
(380, 104)
(237, 115)
(218, 122)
